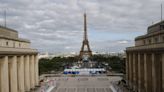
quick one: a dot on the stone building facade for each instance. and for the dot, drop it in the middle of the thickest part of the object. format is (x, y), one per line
(18, 63)
(145, 61)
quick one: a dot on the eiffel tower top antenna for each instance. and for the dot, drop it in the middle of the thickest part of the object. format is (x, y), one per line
(85, 27)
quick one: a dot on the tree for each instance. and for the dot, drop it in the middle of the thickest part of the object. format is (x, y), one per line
(58, 64)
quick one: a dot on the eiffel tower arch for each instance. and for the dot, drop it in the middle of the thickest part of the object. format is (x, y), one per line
(85, 43)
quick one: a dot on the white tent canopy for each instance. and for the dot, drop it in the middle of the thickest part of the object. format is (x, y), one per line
(85, 70)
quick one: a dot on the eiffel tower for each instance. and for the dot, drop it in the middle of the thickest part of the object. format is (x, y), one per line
(88, 51)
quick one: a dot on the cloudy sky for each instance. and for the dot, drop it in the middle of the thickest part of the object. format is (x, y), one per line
(57, 25)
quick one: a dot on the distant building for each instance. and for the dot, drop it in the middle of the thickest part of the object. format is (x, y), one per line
(52, 55)
(145, 61)
(18, 63)
(44, 55)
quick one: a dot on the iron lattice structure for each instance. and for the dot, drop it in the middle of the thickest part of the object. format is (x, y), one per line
(85, 41)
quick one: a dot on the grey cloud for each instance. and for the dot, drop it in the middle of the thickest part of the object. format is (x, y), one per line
(57, 25)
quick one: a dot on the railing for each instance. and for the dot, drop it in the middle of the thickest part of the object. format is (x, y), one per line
(48, 85)
(119, 87)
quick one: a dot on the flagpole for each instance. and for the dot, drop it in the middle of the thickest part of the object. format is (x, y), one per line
(5, 18)
(161, 12)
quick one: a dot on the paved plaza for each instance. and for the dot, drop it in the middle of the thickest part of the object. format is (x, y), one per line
(84, 84)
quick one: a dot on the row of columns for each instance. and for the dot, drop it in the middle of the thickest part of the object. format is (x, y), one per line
(145, 72)
(18, 73)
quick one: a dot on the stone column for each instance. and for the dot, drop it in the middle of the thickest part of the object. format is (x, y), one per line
(153, 73)
(149, 75)
(162, 72)
(20, 71)
(134, 71)
(4, 81)
(156, 72)
(148, 72)
(129, 58)
(30, 67)
(32, 81)
(127, 67)
(131, 69)
(141, 73)
(36, 71)
(145, 74)
(27, 73)
(159, 70)
(0, 72)
(13, 74)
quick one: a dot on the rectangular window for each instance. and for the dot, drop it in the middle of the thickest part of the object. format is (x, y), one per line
(7, 43)
(14, 44)
(155, 40)
(149, 41)
(162, 27)
(143, 42)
